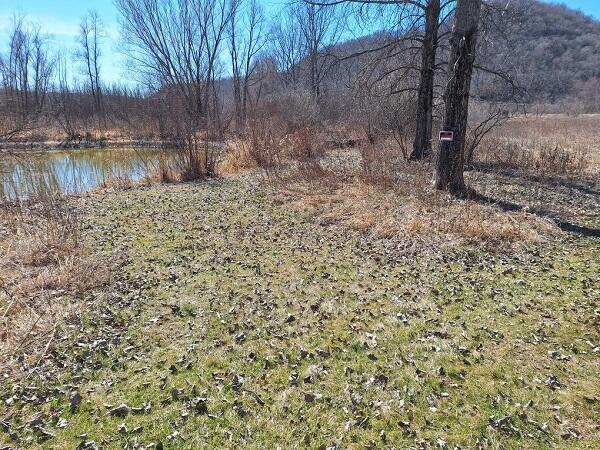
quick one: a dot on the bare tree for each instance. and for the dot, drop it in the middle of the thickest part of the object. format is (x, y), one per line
(288, 48)
(26, 72)
(176, 45)
(450, 161)
(418, 21)
(65, 107)
(89, 53)
(422, 142)
(495, 77)
(320, 28)
(246, 40)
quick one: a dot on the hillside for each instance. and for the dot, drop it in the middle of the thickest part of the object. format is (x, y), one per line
(552, 51)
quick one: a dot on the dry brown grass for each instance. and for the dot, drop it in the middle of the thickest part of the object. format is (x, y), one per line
(411, 211)
(260, 147)
(304, 144)
(546, 146)
(44, 272)
(381, 163)
(118, 183)
(267, 146)
(92, 132)
(238, 158)
(164, 171)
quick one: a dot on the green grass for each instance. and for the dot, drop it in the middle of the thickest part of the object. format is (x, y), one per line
(301, 336)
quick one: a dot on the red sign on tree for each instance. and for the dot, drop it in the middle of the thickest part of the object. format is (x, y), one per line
(446, 135)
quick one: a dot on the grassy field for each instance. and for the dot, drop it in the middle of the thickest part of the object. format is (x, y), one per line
(233, 321)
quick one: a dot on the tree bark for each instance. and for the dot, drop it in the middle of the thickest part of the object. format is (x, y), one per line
(422, 142)
(450, 161)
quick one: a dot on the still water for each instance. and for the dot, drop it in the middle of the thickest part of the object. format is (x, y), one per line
(24, 174)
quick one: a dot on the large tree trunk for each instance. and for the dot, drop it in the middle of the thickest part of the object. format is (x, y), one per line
(422, 142)
(450, 160)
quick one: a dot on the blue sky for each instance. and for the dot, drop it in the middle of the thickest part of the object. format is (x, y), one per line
(60, 19)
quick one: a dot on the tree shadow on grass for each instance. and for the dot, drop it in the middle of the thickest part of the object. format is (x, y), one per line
(580, 230)
(516, 172)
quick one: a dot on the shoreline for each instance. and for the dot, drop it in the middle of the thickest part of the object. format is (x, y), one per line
(36, 146)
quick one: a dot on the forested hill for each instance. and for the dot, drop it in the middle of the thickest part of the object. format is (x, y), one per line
(553, 51)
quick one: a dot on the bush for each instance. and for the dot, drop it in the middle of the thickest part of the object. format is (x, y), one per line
(260, 147)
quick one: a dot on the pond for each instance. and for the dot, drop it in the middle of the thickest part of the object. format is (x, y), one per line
(23, 174)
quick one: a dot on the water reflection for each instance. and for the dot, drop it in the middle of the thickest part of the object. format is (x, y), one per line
(24, 174)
